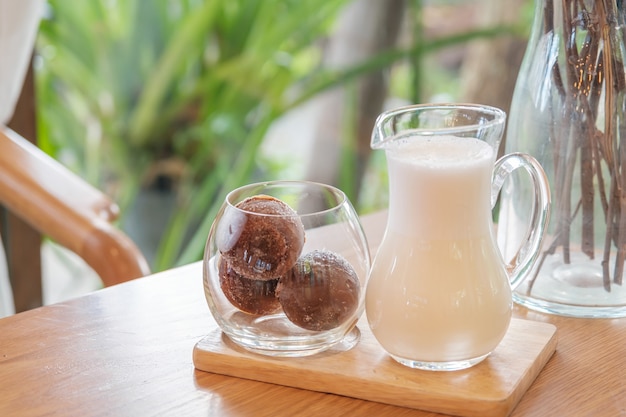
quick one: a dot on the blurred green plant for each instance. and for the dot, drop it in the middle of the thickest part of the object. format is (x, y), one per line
(125, 85)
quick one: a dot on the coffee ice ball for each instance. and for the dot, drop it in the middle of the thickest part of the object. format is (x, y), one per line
(262, 239)
(253, 296)
(320, 292)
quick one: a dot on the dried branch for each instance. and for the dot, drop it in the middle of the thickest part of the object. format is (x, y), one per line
(590, 82)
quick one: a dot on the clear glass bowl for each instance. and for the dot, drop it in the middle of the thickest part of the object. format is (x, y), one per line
(285, 268)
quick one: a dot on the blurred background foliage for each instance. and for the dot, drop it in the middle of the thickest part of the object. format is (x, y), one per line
(180, 100)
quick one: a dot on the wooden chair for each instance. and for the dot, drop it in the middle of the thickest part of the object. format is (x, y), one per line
(62, 206)
(39, 197)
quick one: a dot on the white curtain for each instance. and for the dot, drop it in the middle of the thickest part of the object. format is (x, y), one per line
(19, 20)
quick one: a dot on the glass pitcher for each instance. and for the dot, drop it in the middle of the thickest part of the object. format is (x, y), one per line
(439, 295)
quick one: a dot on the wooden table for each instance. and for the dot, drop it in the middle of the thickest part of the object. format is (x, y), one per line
(126, 351)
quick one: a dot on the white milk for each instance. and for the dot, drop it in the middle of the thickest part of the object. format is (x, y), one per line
(438, 290)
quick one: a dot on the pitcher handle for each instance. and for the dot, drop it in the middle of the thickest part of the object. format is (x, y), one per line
(525, 258)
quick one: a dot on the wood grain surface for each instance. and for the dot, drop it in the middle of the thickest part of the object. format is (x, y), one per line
(127, 351)
(492, 388)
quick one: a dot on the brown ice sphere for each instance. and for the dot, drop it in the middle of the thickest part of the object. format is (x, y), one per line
(320, 292)
(252, 296)
(263, 239)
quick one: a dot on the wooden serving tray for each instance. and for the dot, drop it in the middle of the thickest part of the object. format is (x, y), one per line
(491, 388)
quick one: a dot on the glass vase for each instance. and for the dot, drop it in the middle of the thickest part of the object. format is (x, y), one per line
(568, 111)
